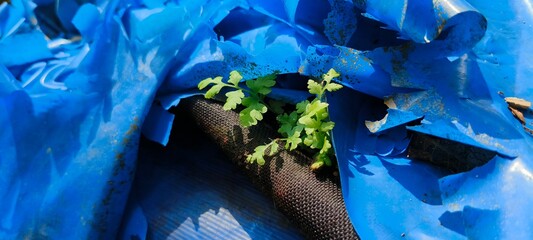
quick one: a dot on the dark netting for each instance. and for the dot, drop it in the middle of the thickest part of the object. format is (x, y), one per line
(453, 156)
(313, 203)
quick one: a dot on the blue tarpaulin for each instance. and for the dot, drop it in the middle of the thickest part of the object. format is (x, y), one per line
(80, 81)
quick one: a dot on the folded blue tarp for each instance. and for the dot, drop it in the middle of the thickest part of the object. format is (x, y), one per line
(79, 82)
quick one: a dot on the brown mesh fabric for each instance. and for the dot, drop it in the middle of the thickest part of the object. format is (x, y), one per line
(313, 204)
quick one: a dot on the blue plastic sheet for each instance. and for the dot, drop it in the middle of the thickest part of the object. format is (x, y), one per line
(72, 125)
(79, 82)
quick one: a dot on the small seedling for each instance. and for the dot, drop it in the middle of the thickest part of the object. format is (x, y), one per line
(308, 125)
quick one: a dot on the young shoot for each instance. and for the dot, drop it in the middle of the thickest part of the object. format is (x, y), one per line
(308, 125)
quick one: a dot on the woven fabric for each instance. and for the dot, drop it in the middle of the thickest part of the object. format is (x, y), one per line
(314, 204)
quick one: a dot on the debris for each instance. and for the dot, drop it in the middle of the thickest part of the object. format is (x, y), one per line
(518, 103)
(518, 115)
(374, 126)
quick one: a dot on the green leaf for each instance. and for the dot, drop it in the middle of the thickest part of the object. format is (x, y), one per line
(204, 83)
(234, 78)
(317, 165)
(311, 117)
(268, 80)
(253, 112)
(326, 146)
(262, 85)
(287, 123)
(273, 148)
(301, 106)
(310, 130)
(246, 119)
(321, 160)
(316, 107)
(308, 141)
(213, 91)
(288, 118)
(250, 158)
(292, 142)
(314, 87)
(294, 138)
(257, 155)
(330, 75)
(233, 99)
(309, 122)
(249, 100)
(218, 80)
(331, 87)
(327, 126)
(318, 140)
(276, 106)
(322, 115)
(254, 103)
(326, 159)
(305, 120)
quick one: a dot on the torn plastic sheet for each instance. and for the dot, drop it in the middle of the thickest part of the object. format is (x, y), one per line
(38, 51)
(453, 66)
(424, 196)
(49, 190)
(460, 101)
(11, 17)
(483, 213)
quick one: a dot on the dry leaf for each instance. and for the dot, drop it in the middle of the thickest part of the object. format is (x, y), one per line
(518, 115)
(518, 103)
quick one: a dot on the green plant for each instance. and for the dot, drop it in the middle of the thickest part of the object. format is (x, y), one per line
(308, 124)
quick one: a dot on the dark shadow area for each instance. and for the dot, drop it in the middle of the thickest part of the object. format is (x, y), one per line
(371, 34)
(453, 221)
(311, 14)
(480, 223)
(227, 29)
(359, 162)
(451, 155)
(411, 177)
(50, 24)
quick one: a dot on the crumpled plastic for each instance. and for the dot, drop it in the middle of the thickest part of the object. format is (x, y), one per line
(78, 87)
(72, 121)
(458, 92)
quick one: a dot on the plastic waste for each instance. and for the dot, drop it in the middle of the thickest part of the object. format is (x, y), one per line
(79, 82)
